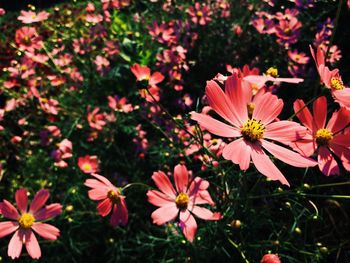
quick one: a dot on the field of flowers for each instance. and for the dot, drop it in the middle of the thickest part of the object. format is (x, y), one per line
(175, 131)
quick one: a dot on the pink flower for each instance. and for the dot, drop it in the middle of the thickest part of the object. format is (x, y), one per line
(88, 164)
(270, 258)
(328, 139)
(199, 14)
(28, 17)
(331, 79)
(144, 73)
(28, 39)
(110, 198)
(119, 104)
(96, 120)
(183, 200)
(297, 57)
(64, 151)
(26, 221)
(254, 131)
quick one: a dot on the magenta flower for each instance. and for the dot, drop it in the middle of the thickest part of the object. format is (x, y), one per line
(254, 127)
(27, 221)
(325, 139)
(110, 198)
(183, 200)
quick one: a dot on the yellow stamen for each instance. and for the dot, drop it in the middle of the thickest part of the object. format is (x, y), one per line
(337, 84)
(113, 196)
(250, 107)
(323, 137)
(272, 71)
(26, 221)
(200, 13)
(182, 201)
(87, 167)
(287, 31)
(252, 130)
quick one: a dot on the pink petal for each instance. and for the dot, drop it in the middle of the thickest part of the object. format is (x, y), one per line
(341, 139)
(39, 200)
(303, 114)
(98, 193)
(305, 147)
(120, 214)
(284, 131)
(326, 162)
(48, 212)
(238, 152)
(265, 166)
(9, 211)
(216, 127)
(93, 183)
(165, 214)
(267, 108)
(21, 200)
(15, 246)
(104, 207)
(288, 156)
(320, 112)
(32, 245)
(156, 78)
(220, 103)
(237, 97)
(181, 178)
(46, 231)
(158, 198)
(343, 153)
(164, 184)
(188, 225)
(339, 120)
(343, 97)
(289, 80)
(7, 228)
(205, 214)
(102, 179)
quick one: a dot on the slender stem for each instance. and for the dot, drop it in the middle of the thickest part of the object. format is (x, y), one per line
(335, 26)
(302, 108)
(239, 250)
(135, 184)
(330, 185)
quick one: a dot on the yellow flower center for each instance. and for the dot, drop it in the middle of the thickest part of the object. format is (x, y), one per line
(26, 221)
(200, 13)
(252, 130)
(182, 201)
(113, 196)
(323, 136)
(87, 167)
(337, 84)
(272, 71)
(250, 107)
(288, 31)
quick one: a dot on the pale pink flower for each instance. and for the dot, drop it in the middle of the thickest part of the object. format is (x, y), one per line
(328, 139)
(119, 104)
(254, 131)
(183, 200)
(96, 120)
(110, 198)
(28, 17)
(200, 14)
(26, 222)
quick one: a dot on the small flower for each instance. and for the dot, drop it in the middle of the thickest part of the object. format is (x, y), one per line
(181, 201)
(28, 17)
(88, 164)
(270, 258)
(26, 222)
(110, 198)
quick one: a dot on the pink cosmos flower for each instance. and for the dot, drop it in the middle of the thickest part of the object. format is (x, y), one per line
(28, 17)
(254, 131)
(28, 39)
(96, 120)
(26, 222)
(144, 73)
(63, 151)
(88, 164)
(331, 79)
(119, 104)
(110, 198)
(183, 200)
(297, 57)
(200, 14)
(328, 139)
(270, 258)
